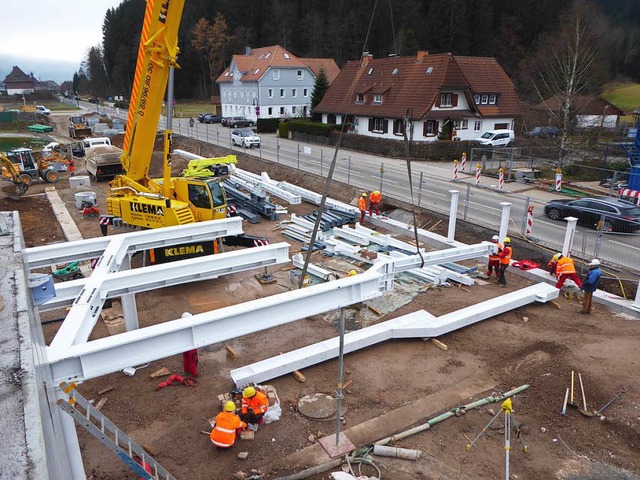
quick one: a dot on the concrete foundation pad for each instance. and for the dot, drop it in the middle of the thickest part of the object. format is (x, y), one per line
(329, 444)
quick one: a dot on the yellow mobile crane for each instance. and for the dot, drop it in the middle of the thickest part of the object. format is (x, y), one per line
(167, 201)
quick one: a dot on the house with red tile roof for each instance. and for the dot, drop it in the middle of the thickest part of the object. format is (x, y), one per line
(270, 82)
(441, 95)
(18, 82)
(589, 111)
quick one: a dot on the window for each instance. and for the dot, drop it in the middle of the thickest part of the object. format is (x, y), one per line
(299, 74)
(270, 111)
(216, 192)
(241, 93)
(370, 71)
(306, 92)
(360, 98)
(198, 196)
(395, 71)
(282, 93)
(270, 93)
(294, 92)
(484, 99)
(257, 71)
(281, 110)
(430, 128)
(501, 126)
(276, 74)
(461, 125)
(446, 100)
(476, 98)
(398, 127)
(235, 93)
(377, 98)
(477, 125)
(286, 55)
(492, 99)
(293, 110)
(378, 125)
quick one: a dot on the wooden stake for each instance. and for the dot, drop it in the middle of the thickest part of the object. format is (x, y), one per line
(439, 344)
(556, 304)
(299, 376)
(108, 389)
(160, 373)
(231, 353)
(101, 403)
(374, 310)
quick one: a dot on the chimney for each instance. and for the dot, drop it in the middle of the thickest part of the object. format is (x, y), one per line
(247, 50)
(420, 56)
(366, 56)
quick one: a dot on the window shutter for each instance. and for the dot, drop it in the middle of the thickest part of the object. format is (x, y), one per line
(424, 129)
(436, 129)
(454, 100)
(439, 101)
(385, 126)
(371, 124)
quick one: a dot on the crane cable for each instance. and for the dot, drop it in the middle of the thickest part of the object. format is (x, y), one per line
(332, 167)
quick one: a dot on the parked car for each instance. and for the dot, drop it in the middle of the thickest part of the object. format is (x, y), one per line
(211, 118)
(225, 121)
(236, 122)
(620, 215)
(496, 138)
(245, 138)
(43, 110)
(548, 131)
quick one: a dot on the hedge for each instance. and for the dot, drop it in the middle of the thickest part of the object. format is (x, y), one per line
(283, 130)
(312, 128)
(268, 125)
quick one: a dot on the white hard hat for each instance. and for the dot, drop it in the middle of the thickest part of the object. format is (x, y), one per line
(495, 238)
(594, 262)
(185, 315)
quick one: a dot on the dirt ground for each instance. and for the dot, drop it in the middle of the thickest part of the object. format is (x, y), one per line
(537, 345)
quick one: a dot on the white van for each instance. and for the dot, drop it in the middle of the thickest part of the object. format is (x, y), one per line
(496, 138)
(96, 142)
(42, 109)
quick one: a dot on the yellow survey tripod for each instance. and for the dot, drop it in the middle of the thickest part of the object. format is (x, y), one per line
(509, 418)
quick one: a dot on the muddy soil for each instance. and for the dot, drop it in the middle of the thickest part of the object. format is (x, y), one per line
(537, 345)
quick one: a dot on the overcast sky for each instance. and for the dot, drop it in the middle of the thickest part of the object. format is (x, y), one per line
(61, 30)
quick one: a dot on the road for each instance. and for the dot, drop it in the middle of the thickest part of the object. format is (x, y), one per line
(432, 182)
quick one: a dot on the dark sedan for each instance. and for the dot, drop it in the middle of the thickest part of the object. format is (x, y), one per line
(236, 122)
(619, 215)
(211, 118)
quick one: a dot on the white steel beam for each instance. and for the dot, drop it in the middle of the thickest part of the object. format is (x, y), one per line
(37, 257)
(174, 273)
(414, 325)
(99, 357)
(298, 261)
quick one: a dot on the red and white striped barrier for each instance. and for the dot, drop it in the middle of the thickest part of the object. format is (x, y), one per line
(464, 162)
(558, 180)
(455, 169)
(478, 171)
(527, 230)
(627, 192)
(500, 179)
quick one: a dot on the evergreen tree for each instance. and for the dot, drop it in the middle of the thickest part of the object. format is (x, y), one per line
(319, 89)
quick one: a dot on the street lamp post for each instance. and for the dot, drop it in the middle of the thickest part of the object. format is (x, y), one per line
(254, 102)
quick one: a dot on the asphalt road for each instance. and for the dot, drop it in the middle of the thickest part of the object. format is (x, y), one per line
(432, 182)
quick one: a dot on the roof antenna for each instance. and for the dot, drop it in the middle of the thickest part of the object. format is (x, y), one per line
(393, 30)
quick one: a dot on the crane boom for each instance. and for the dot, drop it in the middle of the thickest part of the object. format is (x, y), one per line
(156, 55)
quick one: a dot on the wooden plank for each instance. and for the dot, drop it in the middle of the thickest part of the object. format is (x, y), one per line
(556, 305)
(347, 384)
(105, 390)
(160, 373)
(299, 376)
(101, 403)
(151, 448)
(439, 344)
(374, 310)
(231, 353)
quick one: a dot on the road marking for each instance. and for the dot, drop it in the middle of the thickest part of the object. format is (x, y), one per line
(624, 244)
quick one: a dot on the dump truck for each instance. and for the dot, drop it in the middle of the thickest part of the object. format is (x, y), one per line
(103, 162)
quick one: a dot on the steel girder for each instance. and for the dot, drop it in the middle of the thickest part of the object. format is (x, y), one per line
(37, 257)
(175, 273)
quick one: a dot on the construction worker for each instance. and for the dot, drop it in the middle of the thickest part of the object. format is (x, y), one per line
(566, 269)
(553, 263)
(227, 426)
(590, 285)
(362, 206)
(190, 358)
(72, 167)
(374, 202)
(505, 260)
(352, 273)
(254, 405)
(494, 258)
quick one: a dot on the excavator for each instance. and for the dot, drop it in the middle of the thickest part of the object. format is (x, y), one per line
(134, 197)
(10, 172)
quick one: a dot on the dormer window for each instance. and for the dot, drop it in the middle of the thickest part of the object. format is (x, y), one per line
(377, 98)
(360, 98)
(476, 98)
(492, 99)
(299, 74)
(276, 74)
(484, 99)
(446, 100)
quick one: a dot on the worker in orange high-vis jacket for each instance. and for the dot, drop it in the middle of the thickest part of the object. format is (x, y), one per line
(362, 206)
(566, 269)
(374, 202)
(494, 258)
(505, 260)
(227, 426)
(254, 405)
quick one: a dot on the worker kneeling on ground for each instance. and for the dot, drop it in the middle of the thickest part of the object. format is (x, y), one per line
(254, 405)
(566, 269)
(228, 425)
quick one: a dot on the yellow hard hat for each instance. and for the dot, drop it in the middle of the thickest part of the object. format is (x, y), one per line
(507, 240)
(556, 256)
(364, 194)
(352, 273)
(230, 406)
(249, 392)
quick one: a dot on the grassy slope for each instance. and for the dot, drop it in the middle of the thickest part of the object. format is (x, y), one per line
(623, 95)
